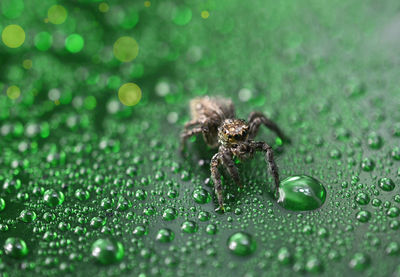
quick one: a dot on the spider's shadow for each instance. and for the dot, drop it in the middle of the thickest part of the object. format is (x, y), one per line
(199, 156)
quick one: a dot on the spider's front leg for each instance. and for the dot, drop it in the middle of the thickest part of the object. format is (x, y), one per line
(257, 118)
(187, 134)
(269, 157)
(216, 177)
(227, 160)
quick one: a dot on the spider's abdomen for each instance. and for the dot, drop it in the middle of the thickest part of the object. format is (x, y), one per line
(218, 109)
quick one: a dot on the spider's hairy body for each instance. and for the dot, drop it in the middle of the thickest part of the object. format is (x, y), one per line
(215, 119)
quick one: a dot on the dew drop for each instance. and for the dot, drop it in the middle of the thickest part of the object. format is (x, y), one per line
(15, 247)
(165, 235)
(107, 251)
(241, 244)
(201, 196)
(301, 193)
(53, 198)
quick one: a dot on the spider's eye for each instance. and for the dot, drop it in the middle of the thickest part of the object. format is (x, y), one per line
(230, 136)
(237, 136)
(234, 145)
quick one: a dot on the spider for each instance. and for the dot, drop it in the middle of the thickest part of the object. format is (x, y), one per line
(214, 118)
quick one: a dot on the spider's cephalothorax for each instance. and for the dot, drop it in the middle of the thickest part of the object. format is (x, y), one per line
(215, 119)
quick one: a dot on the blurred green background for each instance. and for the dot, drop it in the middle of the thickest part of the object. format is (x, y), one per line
(94, 95)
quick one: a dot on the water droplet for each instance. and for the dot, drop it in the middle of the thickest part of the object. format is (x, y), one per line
(27, 216)
(386, 184)
(314, 265)
(241, 244)
(2, 204)
(211, 229)
(201, 196)
(301, 193)
(363, 216)
(374, 140)
(189, 227)
(284, 256)
(53, 198)
(392, 249)
(395, 153)
(204, 216)
(359, 262)
(367, 164)
(169, 214)
(107, 251)
(165, 235)
(15, 247)
(362, 198)
(393, 212)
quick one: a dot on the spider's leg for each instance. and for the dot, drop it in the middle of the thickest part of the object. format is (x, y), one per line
(216, 176)
(257, 118)
(231, 168)
(269, 157)
(192, 123)
(186, 134)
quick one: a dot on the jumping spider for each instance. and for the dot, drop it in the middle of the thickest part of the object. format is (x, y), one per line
(215, 119)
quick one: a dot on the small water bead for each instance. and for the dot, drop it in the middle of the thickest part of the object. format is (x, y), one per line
(123, 204)
(12, 186)
(27, 216)
(376, 202)
(53, 198)
(362, 198)
(204, 216)
(374, 140)
(189, 227)
(392, 249)
(170, 214)
(15, 247)
(2, 204)
(97, 222)
(211, 229)
(367, 164)
(82, 195)
(395, 153)
(284, 256)
(359, 261)
(141, 194)
(314, 265)
(107, 251)
(386, 184)
(241, 244)
(165, 235)
(140, 231)
(301, 193)
(363, 216)
(172, 194)
(393, 212)
(201, 196)
(335, 154)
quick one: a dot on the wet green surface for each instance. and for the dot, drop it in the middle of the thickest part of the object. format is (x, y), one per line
(80, 172)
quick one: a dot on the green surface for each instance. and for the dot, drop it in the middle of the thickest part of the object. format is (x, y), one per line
(96, 188)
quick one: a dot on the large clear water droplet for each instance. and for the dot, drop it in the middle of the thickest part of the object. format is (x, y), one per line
(301, 193)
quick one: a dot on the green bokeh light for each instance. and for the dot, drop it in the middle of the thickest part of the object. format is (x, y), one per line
(74, 43)
(12, 8)
(43, 41)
